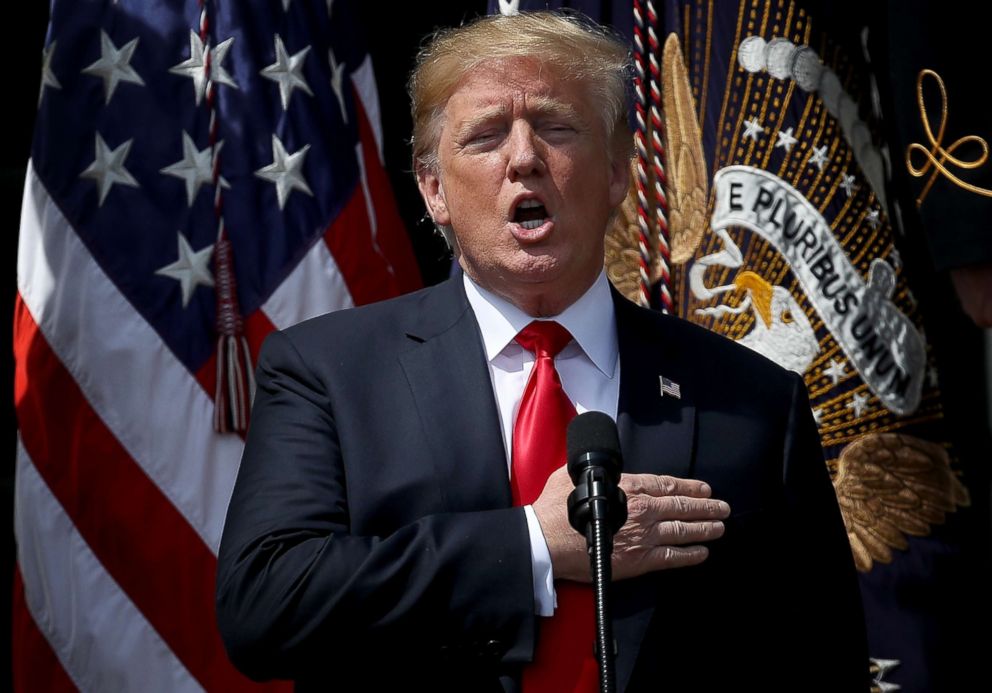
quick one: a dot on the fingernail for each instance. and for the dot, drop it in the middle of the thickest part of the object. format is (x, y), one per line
(724, 506)
(704, 487)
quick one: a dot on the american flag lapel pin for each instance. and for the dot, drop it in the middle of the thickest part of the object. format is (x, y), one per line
(670, 388)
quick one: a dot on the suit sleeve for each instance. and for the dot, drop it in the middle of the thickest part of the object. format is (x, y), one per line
(831, 644)
(297, 590)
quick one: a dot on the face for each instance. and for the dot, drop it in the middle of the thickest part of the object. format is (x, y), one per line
(527, 181)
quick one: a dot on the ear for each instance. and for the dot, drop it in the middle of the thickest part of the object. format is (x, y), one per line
(432, 190)
(619, 180)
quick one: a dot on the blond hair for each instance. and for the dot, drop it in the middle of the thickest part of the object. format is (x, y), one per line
(577, 47)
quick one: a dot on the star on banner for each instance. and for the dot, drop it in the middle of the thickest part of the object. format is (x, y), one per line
(818, 416)
(48, 78)
(836, 370)
(872, 218)
(752, 128)
(108, 167)
(786, 140)
(196, 66)
(286, 71)
(114, 66)
(191, 269)
(819, 158)
(195, 168)
(848, 184)
(285, 171)
(858, 404)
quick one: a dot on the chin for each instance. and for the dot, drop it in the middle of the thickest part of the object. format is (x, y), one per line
(536, 269)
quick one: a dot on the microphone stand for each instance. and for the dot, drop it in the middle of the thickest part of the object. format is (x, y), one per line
(598, 508)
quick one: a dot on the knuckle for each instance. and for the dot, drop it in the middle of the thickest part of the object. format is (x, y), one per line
(637, 506)
(666, 485)
(631, 483)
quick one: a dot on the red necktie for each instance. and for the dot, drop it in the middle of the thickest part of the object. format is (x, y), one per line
(563, 659)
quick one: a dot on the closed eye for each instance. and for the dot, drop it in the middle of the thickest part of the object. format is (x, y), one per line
(482, 139)
(556, 129)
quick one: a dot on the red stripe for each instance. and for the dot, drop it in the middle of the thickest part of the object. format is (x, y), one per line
(372, 273)
(35, 666)
(139, 537)
(350, 242)
(392, 235)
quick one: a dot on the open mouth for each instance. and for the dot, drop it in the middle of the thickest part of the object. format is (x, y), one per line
(530, 214)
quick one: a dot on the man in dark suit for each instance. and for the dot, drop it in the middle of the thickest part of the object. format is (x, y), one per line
(384, 527)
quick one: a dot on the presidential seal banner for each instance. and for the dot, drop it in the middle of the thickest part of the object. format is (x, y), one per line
(781, 237)
(799, 261)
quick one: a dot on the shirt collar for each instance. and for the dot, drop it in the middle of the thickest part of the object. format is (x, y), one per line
(590, 320)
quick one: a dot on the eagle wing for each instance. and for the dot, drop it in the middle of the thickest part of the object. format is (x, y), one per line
(622, 254)
(890, 486)
(687, 184)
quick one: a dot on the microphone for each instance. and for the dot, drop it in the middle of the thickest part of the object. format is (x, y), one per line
(594, 464)
(597, 508)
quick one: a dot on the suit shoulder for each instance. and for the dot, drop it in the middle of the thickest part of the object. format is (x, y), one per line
(714, 355)
(359, 328)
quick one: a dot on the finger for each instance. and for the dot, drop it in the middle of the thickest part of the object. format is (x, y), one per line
(644, 508)
(667, 557)
(661, 485)
(681, 533)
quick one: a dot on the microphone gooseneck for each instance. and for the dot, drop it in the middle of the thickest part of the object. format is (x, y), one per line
(597, 508)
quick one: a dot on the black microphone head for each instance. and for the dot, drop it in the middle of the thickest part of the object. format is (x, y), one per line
(592, 438)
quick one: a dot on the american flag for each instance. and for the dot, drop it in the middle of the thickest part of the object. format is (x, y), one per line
(122, 483)
(670, 388)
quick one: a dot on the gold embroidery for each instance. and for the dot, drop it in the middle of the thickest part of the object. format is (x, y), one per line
(622, 256)
(687, 189)
(936, 155)
(687, 180)
(891, 485)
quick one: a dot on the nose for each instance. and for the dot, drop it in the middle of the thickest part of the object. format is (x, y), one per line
(524, 157)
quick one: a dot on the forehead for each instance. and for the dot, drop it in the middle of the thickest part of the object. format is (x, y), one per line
(511, 83)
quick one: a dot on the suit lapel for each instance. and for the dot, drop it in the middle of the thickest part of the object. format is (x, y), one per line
(447, 374)
(656, 437)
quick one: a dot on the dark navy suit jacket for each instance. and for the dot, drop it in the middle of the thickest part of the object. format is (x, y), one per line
(371, 535)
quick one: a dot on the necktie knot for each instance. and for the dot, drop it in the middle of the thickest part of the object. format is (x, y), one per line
(545, 338)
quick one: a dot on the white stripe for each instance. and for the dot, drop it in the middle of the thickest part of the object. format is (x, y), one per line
(364, 80)
(101, 639)
(144, 395)
(314, 287)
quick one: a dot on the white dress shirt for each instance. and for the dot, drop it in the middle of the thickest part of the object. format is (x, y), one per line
(589, 368)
